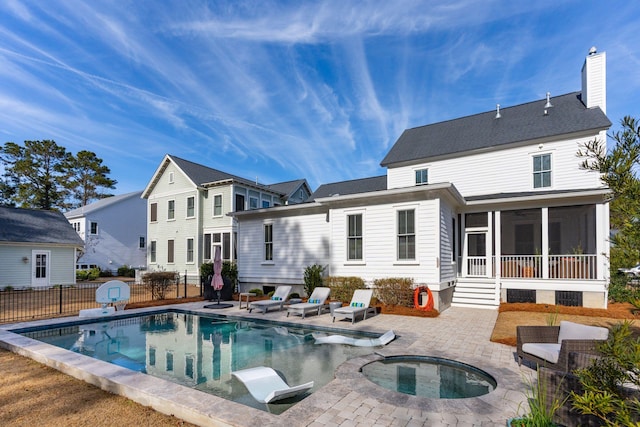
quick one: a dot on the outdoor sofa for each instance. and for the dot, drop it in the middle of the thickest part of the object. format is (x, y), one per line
(550, 346)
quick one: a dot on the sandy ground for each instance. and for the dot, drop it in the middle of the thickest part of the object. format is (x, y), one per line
(33, 394)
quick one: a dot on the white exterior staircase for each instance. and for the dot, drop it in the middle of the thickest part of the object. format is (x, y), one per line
(475, 292)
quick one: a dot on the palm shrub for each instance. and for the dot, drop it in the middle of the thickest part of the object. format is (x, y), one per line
(394, 291)
(612, 381)
(313, 277)
(342, 288)
(542, 404)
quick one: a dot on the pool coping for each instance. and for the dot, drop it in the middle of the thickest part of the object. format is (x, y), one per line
(204, 409)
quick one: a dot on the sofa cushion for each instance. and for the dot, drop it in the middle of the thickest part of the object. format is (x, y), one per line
(546, 351)
(576, 331)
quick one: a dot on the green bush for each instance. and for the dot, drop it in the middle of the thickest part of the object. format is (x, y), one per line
(313, 277)
(294, 295)
(611, 382)
(270, 294)
(126, 271)
(159, 283)
(105, 273)
(394, 291)
(620, 291)
(256, 291)
(82, 275)
(342, 288)
(229, 270)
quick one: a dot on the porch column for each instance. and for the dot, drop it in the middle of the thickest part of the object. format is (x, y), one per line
(463, 259)
(498, 257)
(545, 243)
(489, 246)
(602, 242)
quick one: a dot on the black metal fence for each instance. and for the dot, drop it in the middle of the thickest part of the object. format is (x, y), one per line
(18, 305)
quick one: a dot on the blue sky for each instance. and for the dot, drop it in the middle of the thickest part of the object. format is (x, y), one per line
(281, 90)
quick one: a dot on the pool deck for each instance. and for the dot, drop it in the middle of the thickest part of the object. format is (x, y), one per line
(458, 333)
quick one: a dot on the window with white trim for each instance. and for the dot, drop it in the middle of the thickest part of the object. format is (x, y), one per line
(406, 235)
(542, 171)
(152, 251)
(153, 212)
(354, 237)
(171, 209)
(422, 176)
(94, 227)
(190, 249)
(217, 205)
(268, 242)
(170, 246)
(191, 207)
(141, 242)
(171, 175)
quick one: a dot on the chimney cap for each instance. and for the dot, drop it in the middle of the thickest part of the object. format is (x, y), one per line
(593, 50)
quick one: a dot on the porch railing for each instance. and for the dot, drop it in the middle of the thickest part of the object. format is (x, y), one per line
(575, 266)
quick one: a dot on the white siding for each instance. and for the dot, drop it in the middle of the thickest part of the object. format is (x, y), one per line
(447, 236)
(298, 241)
(16, 273)
(486, 173)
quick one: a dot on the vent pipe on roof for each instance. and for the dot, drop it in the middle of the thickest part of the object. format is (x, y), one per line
(498, 115)
(548, 104)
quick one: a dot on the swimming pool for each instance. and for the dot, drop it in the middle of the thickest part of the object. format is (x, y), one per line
(201, 351)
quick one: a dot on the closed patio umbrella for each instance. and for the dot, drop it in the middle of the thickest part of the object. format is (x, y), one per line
(216, 282)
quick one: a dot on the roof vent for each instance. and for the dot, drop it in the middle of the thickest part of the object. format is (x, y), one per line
(548, 104)
(593, 50)
(498, 115)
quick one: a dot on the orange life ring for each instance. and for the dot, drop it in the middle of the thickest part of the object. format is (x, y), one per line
(427, 306)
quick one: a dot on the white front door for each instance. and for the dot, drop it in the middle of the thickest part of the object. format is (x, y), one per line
(40, 268)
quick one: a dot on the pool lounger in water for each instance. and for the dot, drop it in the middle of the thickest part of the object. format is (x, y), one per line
(384, 339)
(266, 386)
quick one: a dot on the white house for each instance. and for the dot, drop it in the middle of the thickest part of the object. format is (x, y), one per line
(114, 231)
(486, 208)
(37, 248)
(187, 212)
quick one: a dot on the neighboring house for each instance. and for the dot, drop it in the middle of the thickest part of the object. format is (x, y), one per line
(114, 231)
(37, 248)
(187, 212)
(486, 208)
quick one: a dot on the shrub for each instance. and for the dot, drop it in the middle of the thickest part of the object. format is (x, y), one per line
(229, 270)
(256, 291)
(82, 274)
(342, 287)
(394, 291)
(313, 277)
(270, 294)
(294, 295)
(126, 271)
(93, 273)
(159, 282)
(105, 273)
(620, 291)
(611, 380)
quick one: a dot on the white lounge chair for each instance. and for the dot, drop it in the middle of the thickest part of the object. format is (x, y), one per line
(383, 339)
(315, 303)
(113, 292)
(359, 305)
(266, 386)
(277, 300)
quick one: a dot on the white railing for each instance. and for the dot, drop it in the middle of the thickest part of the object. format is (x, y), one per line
(574, 266)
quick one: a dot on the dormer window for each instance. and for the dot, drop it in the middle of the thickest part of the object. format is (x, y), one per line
(542, 171)
(422, 176)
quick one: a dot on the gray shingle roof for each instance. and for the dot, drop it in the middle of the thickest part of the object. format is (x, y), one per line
(523, 122)
(99, 204)
(201, 174)
(363, 185)
(36, 226)
(288, 187)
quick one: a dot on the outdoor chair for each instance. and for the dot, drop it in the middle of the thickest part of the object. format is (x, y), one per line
(382, 340)
(277, 300)
(359, 305)
(266, 386)
(315, 304)
(550, 346)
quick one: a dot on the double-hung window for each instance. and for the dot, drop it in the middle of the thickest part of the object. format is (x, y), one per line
(217, 205)
(542, 171)
(170, 245)
(268, 242)
(152, 251)
(94, 227)
(354, 237)
(171, 209)
(191, 207)
(190, 249)
(406, 235)
(422, 176)
(153, 212)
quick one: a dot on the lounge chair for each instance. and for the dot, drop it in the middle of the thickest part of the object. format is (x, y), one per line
(550, 346)
(277, 300)
(315, 304)
(113, 292)
(359, 305)
(266, 386)
(383, 339)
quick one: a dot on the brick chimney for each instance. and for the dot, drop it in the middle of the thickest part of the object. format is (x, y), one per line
(594, 80)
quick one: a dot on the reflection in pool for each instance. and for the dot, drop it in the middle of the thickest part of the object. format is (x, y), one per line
(201, 351)
(431, 377)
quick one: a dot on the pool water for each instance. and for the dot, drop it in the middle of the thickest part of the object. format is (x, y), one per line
(201, 351)
(430, 377)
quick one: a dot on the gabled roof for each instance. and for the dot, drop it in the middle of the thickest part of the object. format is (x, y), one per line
(520, 123)
(204, 176)
(355, 186)
(100, 204)
(36, 226)
(289, 187)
